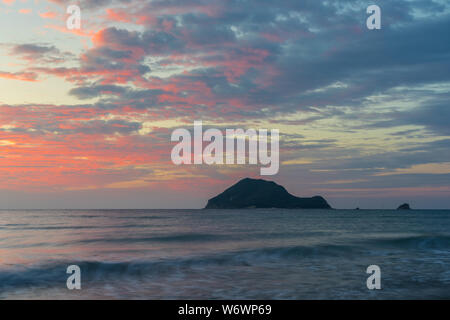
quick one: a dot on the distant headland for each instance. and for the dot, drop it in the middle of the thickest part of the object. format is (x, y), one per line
(259, 193)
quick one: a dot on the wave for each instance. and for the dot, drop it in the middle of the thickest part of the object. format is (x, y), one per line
(190, 237)
(73, 227)
(54, 274)
(416, 242)
(49, 274)
(53, 228)
(182, 238)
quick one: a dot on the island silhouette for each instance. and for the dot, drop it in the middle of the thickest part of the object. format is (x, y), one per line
(404, 206)
(259, 193)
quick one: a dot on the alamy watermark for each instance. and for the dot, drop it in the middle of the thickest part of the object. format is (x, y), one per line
(374, 280)
(74, 20)
(74, 280)
(188, 152)
(374, 20)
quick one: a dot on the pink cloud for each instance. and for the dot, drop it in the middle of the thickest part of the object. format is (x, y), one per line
(25, 11)
(48, 15)
(22, 76)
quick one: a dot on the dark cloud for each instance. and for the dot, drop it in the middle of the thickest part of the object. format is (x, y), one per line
(260, 59)
(33, 49)
(96, 91)
(40, 53)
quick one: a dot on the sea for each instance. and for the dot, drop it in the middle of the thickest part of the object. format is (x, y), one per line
(225, 254)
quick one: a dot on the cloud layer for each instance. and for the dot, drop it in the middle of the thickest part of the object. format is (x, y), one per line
(357, 109)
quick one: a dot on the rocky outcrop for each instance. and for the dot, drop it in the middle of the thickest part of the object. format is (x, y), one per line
(404, 206)
(258, 193)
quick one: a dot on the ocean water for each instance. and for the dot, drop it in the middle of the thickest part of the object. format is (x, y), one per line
(224, 254)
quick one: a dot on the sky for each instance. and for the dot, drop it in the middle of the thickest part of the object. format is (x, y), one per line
(86, 115)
